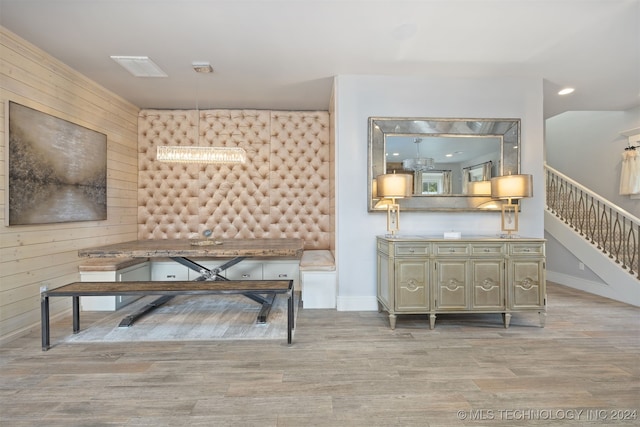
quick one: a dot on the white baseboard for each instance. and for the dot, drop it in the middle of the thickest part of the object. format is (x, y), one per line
(596, 288)
(362, 303)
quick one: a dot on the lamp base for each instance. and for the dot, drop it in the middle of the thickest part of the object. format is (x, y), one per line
(509, 218)
(508, 236)
(393, 218)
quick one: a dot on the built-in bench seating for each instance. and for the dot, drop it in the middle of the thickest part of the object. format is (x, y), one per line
(84, 289)
(109, 264)
(318, 279)
(112, 269)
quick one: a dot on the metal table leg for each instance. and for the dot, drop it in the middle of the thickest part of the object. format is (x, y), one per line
(76, 314)
(205, 274)
(267, 303)
(130, 319)
(214, 274)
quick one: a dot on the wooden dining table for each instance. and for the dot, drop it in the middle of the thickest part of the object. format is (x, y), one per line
(188, 251)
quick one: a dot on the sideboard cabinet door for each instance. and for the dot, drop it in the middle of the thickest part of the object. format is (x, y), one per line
(488, 284)
(527, 284)
(412, 285)
(451, 285)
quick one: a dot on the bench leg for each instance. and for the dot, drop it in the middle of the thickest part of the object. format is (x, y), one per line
(290, 317)
(76, 314)
(44, 319)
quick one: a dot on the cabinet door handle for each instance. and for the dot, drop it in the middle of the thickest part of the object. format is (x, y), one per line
(283, 275)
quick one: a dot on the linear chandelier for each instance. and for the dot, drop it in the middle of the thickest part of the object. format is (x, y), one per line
(419, 163)
(197, 154)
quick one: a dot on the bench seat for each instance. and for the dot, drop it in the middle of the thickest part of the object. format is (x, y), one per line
(109, 264)
(165, 288)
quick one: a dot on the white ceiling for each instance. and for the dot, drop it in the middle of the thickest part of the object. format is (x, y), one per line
(273, 54)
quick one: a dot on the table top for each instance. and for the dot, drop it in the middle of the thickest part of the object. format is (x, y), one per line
(200, 248)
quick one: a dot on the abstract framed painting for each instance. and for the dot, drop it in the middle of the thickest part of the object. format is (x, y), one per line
(57, 170)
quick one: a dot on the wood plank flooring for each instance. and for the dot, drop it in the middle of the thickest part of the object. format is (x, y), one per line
(346, 369)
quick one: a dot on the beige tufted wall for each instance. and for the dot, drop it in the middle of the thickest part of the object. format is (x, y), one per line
(282, 191)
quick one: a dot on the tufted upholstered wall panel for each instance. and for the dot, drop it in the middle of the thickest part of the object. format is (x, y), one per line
(283, 190)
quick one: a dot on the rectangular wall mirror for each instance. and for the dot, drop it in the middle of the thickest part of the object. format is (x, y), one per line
(451, 159)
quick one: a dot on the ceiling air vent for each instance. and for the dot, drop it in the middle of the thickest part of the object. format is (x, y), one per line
(140, 66)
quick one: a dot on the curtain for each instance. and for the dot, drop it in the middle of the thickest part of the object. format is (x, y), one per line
(446, 182)
(630, 173)
(465, 180)
(417, 182)
(486, 171)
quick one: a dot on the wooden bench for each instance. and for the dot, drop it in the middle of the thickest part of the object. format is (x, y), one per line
(166, 289)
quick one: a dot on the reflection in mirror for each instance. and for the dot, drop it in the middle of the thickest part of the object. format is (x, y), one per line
(451, 160)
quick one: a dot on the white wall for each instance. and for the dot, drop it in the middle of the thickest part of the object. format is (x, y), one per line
(359, 97)
(587, 147)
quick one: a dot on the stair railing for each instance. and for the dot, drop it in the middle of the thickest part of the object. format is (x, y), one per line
(613, 230)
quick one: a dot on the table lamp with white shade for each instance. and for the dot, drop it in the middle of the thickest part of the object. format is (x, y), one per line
(511, 187)
(390, 187)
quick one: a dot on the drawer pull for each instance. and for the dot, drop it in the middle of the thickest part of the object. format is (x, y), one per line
(283, 275)
(171, 276)
(452, 250)
(412, 250)
(526, 250)
(486, 250)
(246, 276)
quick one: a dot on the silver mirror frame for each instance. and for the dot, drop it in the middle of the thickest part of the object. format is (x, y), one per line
(508, 130)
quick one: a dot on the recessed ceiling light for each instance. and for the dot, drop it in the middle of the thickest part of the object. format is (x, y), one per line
(566, 91)
(202, 67)
(449, 155)
(395, 154)
(139, 66)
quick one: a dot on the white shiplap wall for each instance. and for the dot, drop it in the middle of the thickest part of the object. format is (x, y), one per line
(33, 256)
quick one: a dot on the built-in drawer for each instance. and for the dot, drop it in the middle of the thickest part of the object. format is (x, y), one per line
(276, 270)
(245, 270)
(452, 249)
(530, 248)
(412, 249)
(170, 270)
(487, 249)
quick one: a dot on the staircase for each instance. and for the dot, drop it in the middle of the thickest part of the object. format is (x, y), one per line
(598, 232)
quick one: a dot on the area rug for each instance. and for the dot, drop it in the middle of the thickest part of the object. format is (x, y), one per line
(190, 318)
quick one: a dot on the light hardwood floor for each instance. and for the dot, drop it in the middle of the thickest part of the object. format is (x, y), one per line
(345, 369)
